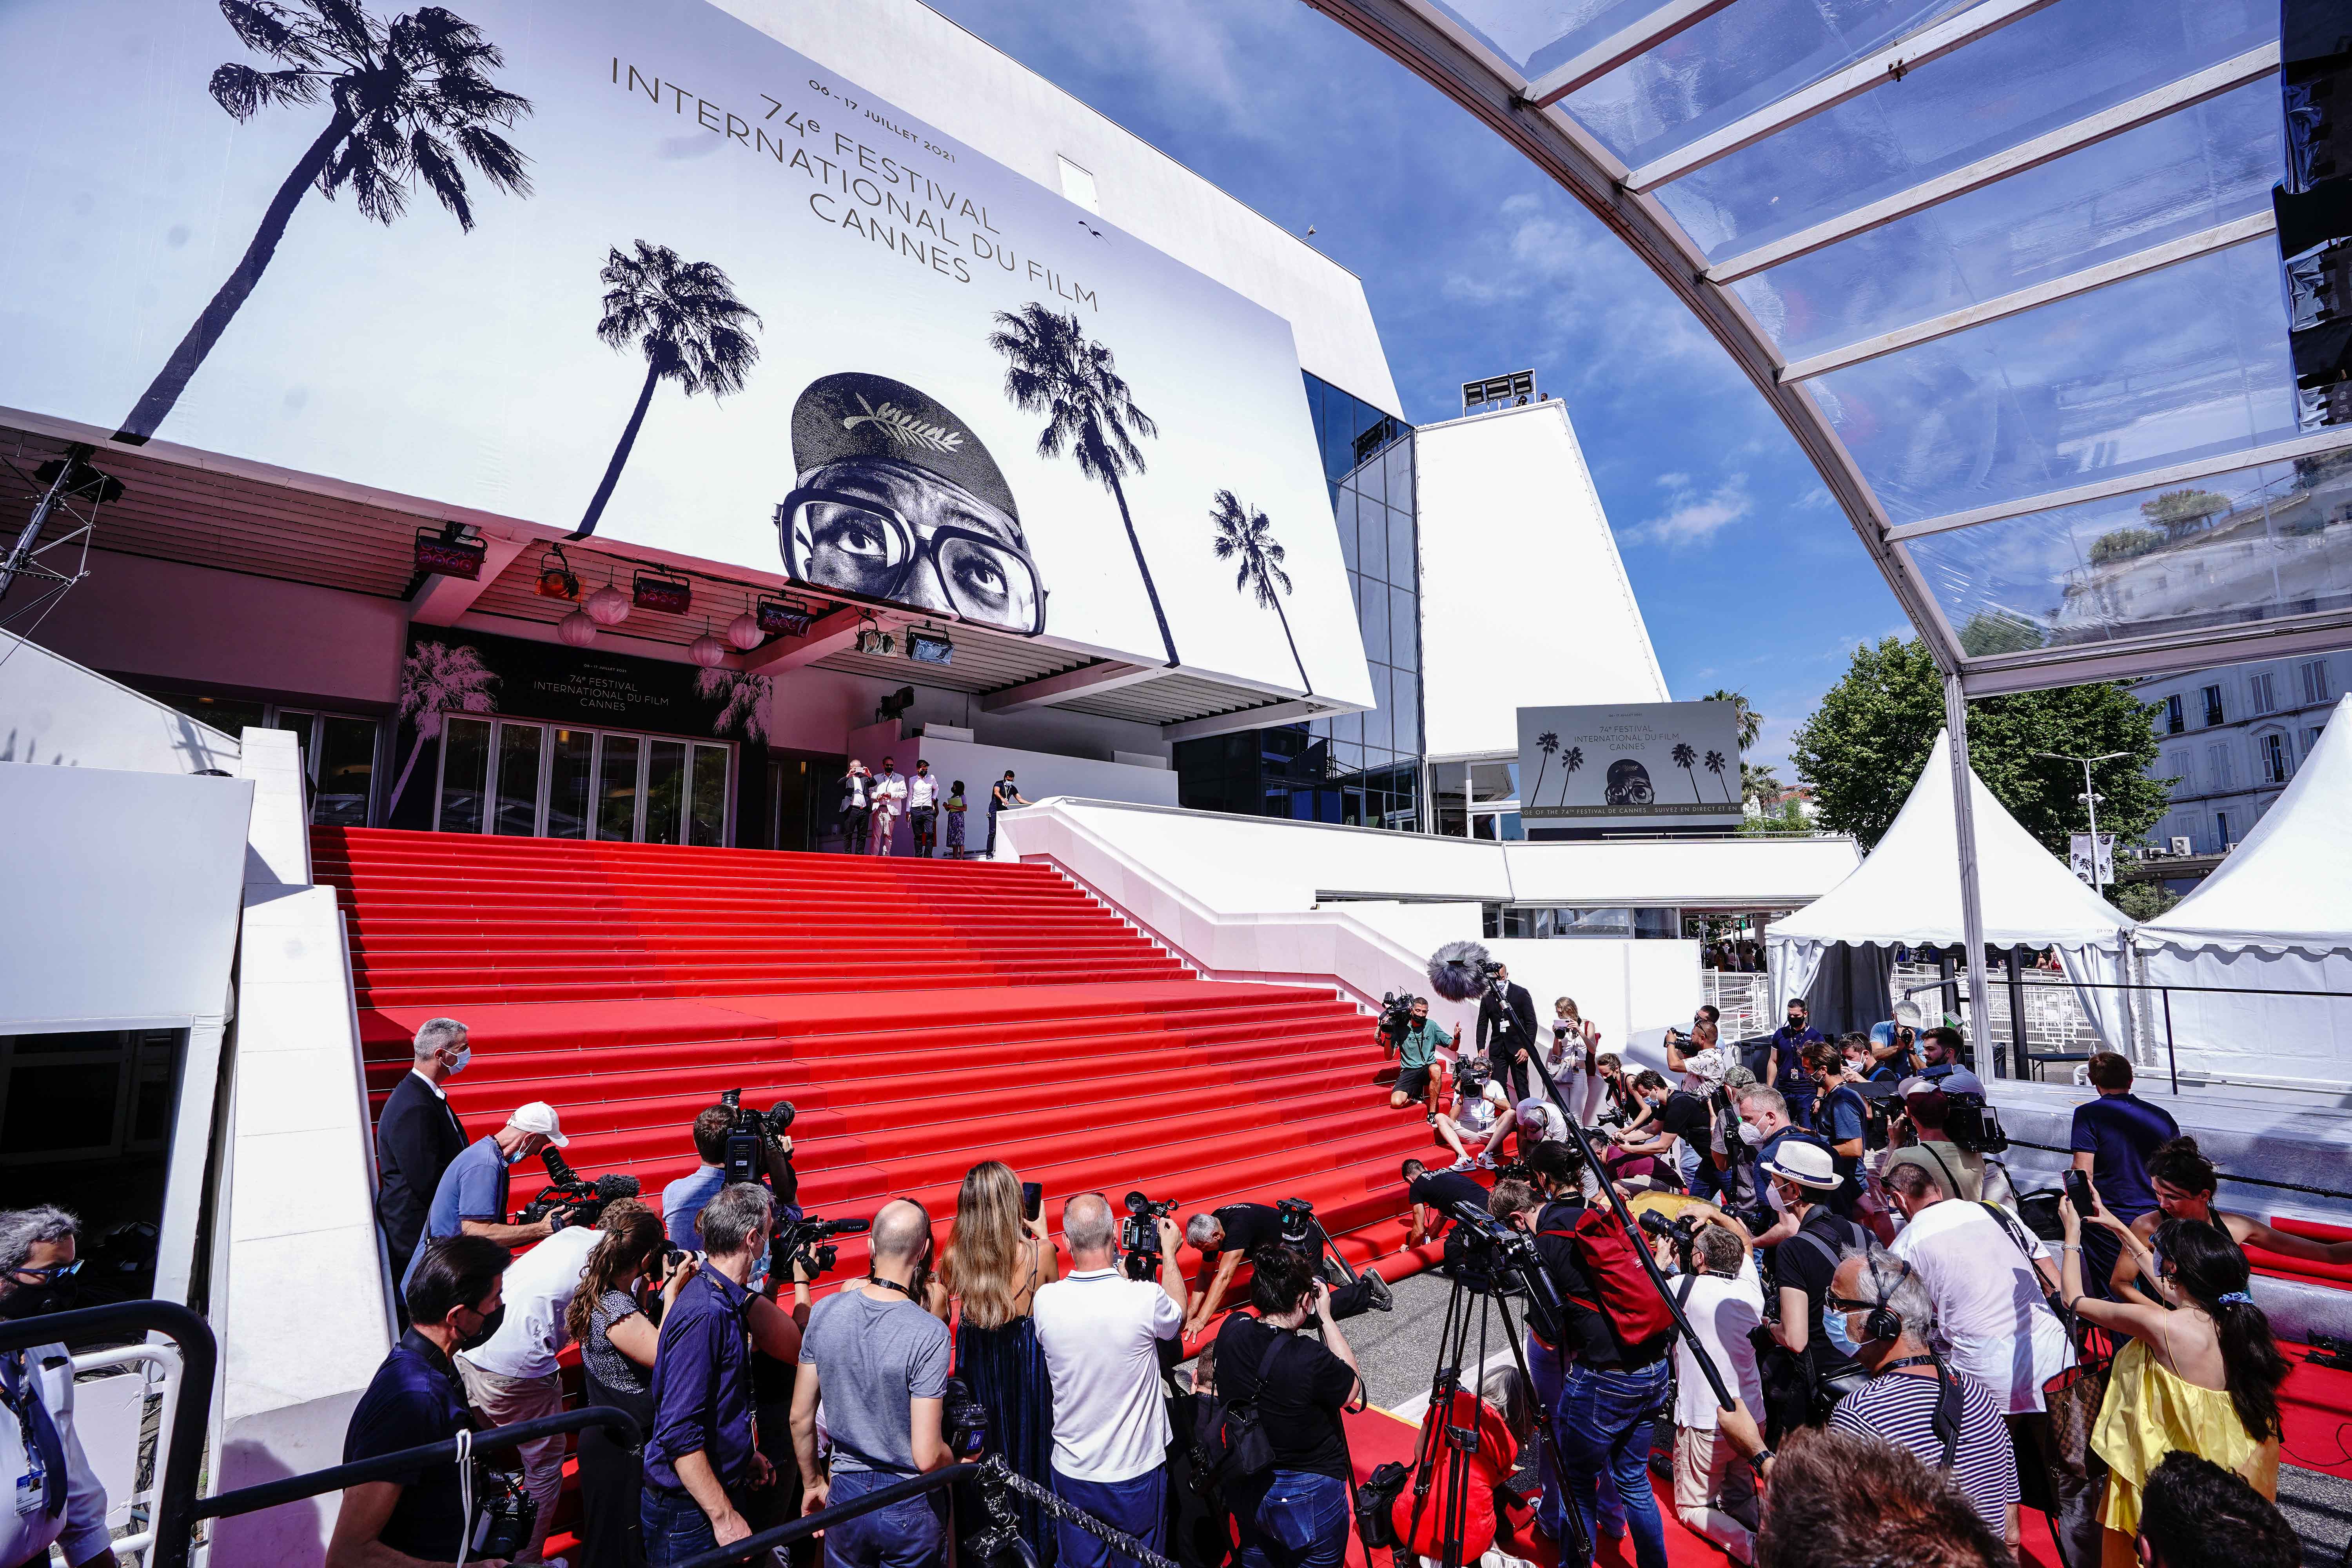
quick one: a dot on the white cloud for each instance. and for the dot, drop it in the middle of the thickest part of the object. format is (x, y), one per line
(1692, 518)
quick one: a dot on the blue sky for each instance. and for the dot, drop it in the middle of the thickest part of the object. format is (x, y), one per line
(1475, 264)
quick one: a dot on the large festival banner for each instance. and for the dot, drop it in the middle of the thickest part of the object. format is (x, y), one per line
(1630, 764)
(633, 269)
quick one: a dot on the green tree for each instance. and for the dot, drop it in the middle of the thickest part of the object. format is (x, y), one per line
(2177, 511)
(1989, 632)
(1758, 784)
(2123, 543)
(2143, 900)
(1862, 749)
(1746, 719)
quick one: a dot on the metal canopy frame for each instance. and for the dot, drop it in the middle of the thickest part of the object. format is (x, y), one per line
(1535, 114)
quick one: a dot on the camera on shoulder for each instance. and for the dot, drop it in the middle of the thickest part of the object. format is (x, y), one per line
(1139, 1234)
(749, 1135)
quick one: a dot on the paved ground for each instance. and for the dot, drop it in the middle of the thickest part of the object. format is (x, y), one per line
(1397, 1352)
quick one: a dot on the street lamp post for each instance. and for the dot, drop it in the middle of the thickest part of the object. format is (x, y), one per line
(2090, 798)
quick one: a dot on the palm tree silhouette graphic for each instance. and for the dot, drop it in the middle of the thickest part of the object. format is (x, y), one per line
(685, 317)
(1055, 369)
(1548, 742)
(1683, 757)
(1715, 763)
(411, 101)
(1245, 533)
(1570, 761)
(435, 681)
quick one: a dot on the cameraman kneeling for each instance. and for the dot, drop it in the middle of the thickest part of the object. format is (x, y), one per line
(1297, 1512)
(1238, 1230)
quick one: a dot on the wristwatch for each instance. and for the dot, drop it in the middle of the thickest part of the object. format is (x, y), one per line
(1757, 1458)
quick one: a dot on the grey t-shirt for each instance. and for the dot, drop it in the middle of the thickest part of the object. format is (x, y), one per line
(871, 1358)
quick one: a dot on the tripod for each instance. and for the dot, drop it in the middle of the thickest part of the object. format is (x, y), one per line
(1487, 1258)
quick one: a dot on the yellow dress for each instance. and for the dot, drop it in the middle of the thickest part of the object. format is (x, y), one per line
(2151, 1410)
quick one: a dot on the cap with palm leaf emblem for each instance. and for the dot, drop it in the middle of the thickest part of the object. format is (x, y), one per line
(898, 501)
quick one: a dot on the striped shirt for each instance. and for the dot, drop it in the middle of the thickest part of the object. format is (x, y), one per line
(1900, 1408)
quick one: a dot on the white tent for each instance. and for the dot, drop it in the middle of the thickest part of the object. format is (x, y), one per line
(2276, 917)
(1908, 890)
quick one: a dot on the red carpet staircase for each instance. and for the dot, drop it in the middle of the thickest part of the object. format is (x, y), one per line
(922, 1016)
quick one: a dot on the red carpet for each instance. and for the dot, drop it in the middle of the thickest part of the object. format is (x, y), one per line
(922, 1016)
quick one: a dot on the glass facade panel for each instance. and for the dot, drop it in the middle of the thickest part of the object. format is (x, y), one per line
(346, 772)
(2178, 365)
(616, 789)
(465, 773)
(2251, 545)
(519, 748)
(664, 791)
(707, 811)
(1352, 768)
(574, 753)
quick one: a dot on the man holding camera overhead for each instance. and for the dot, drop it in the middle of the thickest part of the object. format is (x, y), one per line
(1102, 1333)
(471, 1199)
(1416, 1047)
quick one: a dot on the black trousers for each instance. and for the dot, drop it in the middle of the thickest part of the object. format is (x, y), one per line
(922, 818)
(1513, 1076)
(854, 821)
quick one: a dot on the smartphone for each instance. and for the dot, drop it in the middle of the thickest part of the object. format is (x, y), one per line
(2078, 1193)
(1033, 1199)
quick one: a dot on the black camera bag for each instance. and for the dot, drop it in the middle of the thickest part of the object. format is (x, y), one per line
(1231, 1433)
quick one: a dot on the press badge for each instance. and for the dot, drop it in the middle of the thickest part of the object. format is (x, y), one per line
(32, 1487)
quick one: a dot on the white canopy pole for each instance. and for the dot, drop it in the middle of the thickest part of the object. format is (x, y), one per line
(1964, 828)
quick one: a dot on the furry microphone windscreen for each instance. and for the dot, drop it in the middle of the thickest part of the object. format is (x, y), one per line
(1456, 970)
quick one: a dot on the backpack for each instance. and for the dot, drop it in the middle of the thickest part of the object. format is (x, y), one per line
(1231, 1437)
(1621, 1292)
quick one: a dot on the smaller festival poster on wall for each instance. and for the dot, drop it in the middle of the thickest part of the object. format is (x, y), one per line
(1632, 764)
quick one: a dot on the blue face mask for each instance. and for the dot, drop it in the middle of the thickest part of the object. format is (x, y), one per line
(465, 1055)
(1833, 1327)
(517, 1158)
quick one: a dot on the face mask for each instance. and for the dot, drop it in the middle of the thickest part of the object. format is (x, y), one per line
(35, 1300)
(465, 1055)
(481, 1336)
(1834, 1325)
(517, 1158)
(1749, 1135)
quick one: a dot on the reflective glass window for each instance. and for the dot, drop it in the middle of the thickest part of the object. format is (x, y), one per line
(707, 809)
(1372, 541)
(1404, 629)
(465, 773)
(616, 789)
(1404, 562)
(573, 752)
(1378, 732)
(346, 771)
(1374, 619)
(1398, 461)
(2186, 363)
(664, 791)
(517, 807)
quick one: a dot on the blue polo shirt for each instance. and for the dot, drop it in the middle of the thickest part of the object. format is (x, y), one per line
(414, 1399)
(702, 1384)
(2119, 1132)
(473, 1187)
(1795, 1085)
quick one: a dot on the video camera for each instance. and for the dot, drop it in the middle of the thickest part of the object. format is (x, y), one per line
(1139, 1234)
(1295, 1219)
(1396, 1017)
(1684, 1230)
(801, 1242)
(748, 1135)
(1974, 1125)
(577, 1199)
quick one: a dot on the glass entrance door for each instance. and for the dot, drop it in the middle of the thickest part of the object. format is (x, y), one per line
(522, 779)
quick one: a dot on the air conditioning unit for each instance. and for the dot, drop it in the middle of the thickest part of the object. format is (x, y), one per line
(2180, 844)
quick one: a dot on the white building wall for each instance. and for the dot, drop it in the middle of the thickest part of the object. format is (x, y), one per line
(1525, 601)
(2230, 773)
(925, 63)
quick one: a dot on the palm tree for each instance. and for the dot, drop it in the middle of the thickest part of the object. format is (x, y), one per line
(743, 699)
(1055, 369)
(1247, 535)
(1570, 761)
(1758, 784)
(412, 101)
(1750, 722)
(1715, 763)
(684, 317)
(1548, 742)
(437, 679)
(1683, 757)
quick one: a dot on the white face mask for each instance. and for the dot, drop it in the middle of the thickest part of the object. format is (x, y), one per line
(465, 1055)
(1749, 1135)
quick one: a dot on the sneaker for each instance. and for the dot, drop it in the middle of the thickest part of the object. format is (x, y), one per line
(1463, 1163)
(1382, 1301)
(1487, 1163)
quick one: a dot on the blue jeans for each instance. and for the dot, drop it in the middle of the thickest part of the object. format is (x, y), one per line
(1137, 1505)
(1544, 1371)
(909, 1534)
(1294, 1520)
(1687, 1162)
(1606, 1419)
(674, 1525)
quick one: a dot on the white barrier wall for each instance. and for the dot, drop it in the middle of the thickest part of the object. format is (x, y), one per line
(57, 714)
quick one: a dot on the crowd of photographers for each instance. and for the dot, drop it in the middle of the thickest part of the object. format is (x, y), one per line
(1832, 1221)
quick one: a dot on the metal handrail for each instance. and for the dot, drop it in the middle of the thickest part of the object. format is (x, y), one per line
(149, 1357)
(807, 1525)
(178, 1462)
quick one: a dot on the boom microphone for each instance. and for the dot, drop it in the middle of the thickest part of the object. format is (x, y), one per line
(616, 1185)
(1457, 971)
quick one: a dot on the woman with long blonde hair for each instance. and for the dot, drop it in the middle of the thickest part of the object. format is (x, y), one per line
(996, 1260)
(1573, 1060)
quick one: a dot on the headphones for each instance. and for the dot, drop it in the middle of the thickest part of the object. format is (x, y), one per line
(1883, 1322)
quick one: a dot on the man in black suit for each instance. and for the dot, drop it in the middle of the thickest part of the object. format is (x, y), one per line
(416, 1136)
(1507, 1030)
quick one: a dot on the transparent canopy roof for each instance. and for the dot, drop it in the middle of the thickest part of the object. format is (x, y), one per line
(2008, 269)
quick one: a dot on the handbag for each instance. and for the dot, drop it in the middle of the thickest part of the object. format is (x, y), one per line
(1232, 1434)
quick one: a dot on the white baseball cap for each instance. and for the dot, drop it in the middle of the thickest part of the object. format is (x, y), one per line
(540, 1117)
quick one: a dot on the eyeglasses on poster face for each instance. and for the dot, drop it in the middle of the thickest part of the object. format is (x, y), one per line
(835, 540)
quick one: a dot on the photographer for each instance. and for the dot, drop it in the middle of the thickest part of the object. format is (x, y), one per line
(1238, 1230)
(1432, 1194)
(60, 1498)
(1927, 1108)
(879, 1361)
(853, 785)
(1507, 1028)
(1764, 1127)
(471, 1199)
(1611, 1393)
(607, 1319)
(1842, 1116)
(1803, 1176)
(417, 1136)
(1480, 1117)
(1573, 1059)
(700, 1455)
(1683, 1123)
(1297, 1512)
(1785, 1071)
(419, 1519)
(1892, 1047)
(1941, 1054)
(511, 1376)
(1416, 1047)
(1566, 1185)
(1715, 1483)
(1101, 1333)
(682, 1200)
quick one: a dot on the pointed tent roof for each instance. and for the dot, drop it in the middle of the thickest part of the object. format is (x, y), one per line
(1908, 889)
(2289, 884)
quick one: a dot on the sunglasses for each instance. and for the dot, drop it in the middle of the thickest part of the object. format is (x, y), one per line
(50, 1275)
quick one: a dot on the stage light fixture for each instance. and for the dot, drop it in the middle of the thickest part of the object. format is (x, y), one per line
(780, 618)
(455, 552)
(930, 647)
(556, 578)
(662, 592)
